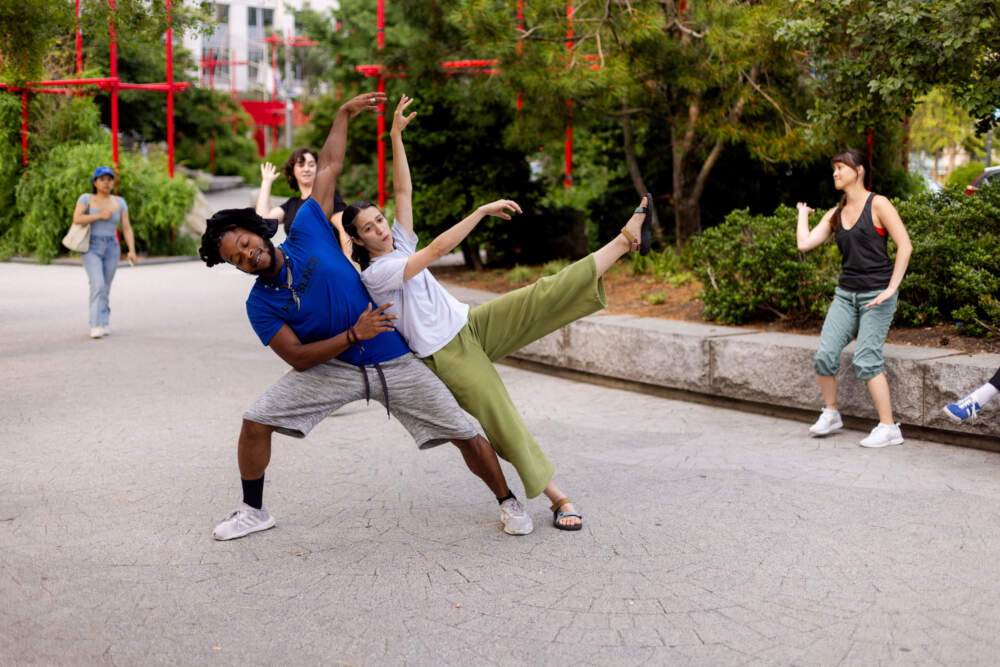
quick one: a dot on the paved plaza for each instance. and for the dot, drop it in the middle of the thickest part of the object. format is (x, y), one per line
(711, 537)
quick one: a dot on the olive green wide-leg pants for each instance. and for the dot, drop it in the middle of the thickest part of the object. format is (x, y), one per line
(498, 328)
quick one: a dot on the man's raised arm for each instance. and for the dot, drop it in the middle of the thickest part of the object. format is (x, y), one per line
(331, 157)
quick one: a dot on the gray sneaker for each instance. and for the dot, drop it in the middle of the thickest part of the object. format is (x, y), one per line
(243, 521)
(514, 519)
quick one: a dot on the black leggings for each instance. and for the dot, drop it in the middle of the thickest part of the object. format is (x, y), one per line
(995, 380)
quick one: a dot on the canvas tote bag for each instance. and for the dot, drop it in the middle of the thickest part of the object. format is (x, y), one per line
(77, 238)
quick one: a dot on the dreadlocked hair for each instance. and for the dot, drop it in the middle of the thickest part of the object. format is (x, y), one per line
(226, 220)
(853, 158)
(358, 252)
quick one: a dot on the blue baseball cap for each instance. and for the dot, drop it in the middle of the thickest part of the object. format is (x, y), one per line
(102, 171)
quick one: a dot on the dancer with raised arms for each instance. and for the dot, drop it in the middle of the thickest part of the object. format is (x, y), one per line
(309, 306)
(460, 344)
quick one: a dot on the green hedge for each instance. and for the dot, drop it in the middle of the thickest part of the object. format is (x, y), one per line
(46, 196)
(750, 268)
(954, 273)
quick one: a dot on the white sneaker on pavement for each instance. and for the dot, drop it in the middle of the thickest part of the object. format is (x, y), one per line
(884, 435)
(96, 332)
(243, 521)
(514, 518)
(828, 422)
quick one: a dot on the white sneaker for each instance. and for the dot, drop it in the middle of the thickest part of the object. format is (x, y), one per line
(96, 332)
(106, 330)
(243, 521)
(514, 518)
(828, 422)
(884, 435)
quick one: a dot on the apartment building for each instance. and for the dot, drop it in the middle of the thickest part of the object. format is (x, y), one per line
(239, 38)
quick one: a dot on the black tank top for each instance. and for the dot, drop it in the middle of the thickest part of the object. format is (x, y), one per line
(864, 265)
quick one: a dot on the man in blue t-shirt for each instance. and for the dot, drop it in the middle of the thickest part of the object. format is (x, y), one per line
(309, 306)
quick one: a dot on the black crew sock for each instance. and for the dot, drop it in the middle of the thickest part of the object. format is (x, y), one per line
(253, 492)
(510, 494)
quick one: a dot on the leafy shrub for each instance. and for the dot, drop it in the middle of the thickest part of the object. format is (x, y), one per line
(554, 267)
(954, 272)
(751, 268)
(520, 274)
(48, 192)
(962, 176)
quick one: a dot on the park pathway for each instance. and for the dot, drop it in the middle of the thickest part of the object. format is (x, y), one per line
(711, 537)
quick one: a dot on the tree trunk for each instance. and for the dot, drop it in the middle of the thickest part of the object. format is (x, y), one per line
(471, 255)
(636, 173)
(687, 218)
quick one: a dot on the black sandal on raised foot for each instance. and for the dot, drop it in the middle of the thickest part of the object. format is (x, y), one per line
(558, 514)
(647, 228)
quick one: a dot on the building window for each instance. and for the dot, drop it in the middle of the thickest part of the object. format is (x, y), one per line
(268, 17)
(222, 13)
(251, 16)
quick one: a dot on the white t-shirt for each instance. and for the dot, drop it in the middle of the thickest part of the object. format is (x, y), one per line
(429, 317)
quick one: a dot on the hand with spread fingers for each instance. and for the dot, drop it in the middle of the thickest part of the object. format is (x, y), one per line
(399, 119)
(373, 322)
(363, 102)
(498, 208)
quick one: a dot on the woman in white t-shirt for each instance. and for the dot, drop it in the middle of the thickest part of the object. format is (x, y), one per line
(459, 344)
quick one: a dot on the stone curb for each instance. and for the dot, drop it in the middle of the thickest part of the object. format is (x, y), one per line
(63, 261)
(766, 368)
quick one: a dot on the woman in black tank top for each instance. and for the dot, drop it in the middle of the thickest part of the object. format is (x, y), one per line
(865, 299)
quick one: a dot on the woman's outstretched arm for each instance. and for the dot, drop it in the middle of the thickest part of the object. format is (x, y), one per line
(449, 239)
(402, 186)
(268, 175)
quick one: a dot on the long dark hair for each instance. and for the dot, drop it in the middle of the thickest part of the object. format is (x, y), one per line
(358, 252)
(298, 156)
(853, 158)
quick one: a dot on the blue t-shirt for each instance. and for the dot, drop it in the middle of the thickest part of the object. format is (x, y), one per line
(330, 293)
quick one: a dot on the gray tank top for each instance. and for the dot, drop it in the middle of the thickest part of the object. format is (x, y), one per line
(103, 227)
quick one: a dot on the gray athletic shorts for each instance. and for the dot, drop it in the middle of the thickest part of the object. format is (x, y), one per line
(416, 397)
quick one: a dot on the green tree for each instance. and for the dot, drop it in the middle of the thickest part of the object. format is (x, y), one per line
(456, 148)
(28, 31)
(713, 76)
(868, 61)
(938, 124)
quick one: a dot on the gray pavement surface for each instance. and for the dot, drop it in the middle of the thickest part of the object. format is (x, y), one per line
(711, 537)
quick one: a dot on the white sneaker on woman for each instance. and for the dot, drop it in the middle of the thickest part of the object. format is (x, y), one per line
(96, 332)
(884, 435)
(828, 422)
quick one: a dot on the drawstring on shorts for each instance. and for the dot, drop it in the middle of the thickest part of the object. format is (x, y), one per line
(385, 387)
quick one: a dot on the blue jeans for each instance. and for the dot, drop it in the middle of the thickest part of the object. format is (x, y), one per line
(848, 318)
(101, 262)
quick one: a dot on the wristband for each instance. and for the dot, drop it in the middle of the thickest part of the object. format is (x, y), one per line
(352, 332)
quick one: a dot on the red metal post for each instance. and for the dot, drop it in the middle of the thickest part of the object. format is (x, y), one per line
(24, 129)
(114, 86)
(381, 146)
(170, 92)
(381, 110)
(79, 42)
(520, 43)
(568, 174)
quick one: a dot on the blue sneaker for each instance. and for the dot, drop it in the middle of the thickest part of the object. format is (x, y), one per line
(962, 410)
